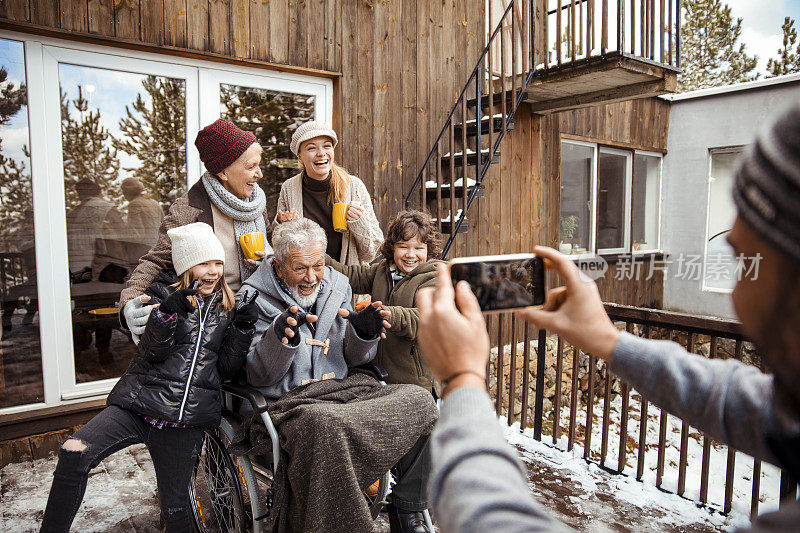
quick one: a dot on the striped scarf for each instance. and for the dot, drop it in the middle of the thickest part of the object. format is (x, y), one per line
(247, 215)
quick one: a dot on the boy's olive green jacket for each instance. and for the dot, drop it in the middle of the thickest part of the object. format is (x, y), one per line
(398, 353)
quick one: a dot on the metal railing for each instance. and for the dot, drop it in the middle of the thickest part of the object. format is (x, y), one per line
(582, 382)
(576, 30)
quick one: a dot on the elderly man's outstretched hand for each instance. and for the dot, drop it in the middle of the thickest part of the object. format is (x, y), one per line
(287, 324)
(574, 311)
(369, 321)
(453, 340)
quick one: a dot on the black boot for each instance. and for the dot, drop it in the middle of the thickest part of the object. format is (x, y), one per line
(402, 521)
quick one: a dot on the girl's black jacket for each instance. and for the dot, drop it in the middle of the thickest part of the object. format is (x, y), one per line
(178, 369)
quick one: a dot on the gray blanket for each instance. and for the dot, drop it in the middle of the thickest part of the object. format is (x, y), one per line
(337, 438)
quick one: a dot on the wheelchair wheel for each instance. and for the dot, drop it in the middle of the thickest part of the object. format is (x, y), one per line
(377, 502)
(215, 491)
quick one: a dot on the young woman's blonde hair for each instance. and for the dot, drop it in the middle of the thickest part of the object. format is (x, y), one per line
(228, 298)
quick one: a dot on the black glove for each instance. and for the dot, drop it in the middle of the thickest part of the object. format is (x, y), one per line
(178, 302)
(246, 314)
(368, 322)
(282, 322)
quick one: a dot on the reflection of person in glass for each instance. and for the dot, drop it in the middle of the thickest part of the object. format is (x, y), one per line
(144, 213)
(312, 193)
(93, 218)
(226, 197)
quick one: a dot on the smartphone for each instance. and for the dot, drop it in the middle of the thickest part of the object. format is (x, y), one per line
(502, 282)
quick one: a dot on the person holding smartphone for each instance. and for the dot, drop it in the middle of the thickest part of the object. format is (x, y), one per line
(478, 483)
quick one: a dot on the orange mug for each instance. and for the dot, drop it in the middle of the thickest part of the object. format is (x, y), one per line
(251, 243)
(340, 216)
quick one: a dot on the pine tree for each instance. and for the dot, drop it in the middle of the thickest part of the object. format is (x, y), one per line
(788, 59)
(155, 133)
(710, 55)
(16, 201)
(87, 151)
(12, 99)
(272, 117)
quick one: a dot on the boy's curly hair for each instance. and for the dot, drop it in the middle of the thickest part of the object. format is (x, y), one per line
(405, 226)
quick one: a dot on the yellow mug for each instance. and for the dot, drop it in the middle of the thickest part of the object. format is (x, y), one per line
(251, 243)
(340, 216)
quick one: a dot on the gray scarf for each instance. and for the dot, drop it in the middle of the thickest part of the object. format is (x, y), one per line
(247, 215)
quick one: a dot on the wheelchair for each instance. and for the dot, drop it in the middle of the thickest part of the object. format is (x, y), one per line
(234, 493)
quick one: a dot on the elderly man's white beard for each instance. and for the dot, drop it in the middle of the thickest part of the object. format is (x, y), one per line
(306, 302)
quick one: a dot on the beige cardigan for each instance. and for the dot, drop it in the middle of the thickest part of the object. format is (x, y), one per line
(361, 243)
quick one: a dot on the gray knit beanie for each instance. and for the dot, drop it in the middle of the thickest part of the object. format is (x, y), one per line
(767, 187)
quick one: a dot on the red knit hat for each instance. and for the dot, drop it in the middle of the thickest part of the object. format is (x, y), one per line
(221, 143)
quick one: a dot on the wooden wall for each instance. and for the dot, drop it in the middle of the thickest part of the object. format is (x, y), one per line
(521, 206)
(398, 65)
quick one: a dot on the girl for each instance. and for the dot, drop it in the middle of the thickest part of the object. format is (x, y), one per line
(322, 183)
(194, 339)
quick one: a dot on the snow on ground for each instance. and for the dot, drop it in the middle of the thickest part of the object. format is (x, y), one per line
(680, 510)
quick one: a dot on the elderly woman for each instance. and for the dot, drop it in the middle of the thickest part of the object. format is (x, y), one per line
(322, 183)
(227, 198)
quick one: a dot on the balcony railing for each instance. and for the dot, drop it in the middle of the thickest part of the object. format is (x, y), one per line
(539, 380)
(576, 30)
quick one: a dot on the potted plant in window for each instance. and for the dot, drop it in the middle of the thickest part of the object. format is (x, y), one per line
(569, 224)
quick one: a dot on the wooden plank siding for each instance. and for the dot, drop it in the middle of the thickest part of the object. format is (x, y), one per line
(521, 203)
(397, 66)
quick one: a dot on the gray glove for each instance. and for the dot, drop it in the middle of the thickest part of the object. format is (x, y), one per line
(136, 314)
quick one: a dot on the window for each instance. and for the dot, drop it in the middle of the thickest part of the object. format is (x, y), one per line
(720, 264)
(610, 199)
(123, 145)
(613, 184)
(577, 177)
(21, 379)
(646, 197)
(95, 144)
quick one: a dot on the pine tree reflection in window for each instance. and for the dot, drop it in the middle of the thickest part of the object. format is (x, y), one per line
(20, 350)
(124, 145)
(272, 116)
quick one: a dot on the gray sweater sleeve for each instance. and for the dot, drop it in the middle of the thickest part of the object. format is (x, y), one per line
(730, 401)
(478, 483)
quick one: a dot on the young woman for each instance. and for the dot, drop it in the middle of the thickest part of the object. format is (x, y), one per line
(322, 183)
(196, 337)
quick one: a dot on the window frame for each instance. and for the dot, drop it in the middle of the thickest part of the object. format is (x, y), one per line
(592, 198)
(42, 55)
(733, 149)
(631, 154)
(660, 156)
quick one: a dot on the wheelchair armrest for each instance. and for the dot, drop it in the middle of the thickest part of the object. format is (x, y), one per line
(250, 394)
(372, 369)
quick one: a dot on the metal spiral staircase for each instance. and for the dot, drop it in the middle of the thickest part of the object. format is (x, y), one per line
(452, 176)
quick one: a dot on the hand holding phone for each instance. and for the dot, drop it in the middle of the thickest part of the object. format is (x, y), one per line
(502, 282)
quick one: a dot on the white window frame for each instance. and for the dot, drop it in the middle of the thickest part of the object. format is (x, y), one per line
(737, 149)
(632, 153)
(42, 55)
(592, 198)
(626, 201)
(660, 157)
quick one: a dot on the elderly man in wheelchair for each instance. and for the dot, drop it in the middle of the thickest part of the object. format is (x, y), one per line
(330, 425)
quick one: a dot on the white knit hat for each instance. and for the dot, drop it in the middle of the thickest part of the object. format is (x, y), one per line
(309, 130)
(193, 244)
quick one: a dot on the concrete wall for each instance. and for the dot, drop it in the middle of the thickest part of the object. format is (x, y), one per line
(698, 124)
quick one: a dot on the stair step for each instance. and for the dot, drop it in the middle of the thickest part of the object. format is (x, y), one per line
(446, 222)
(472, 158)
(497, 124)
(430, 189)
(497, 98)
